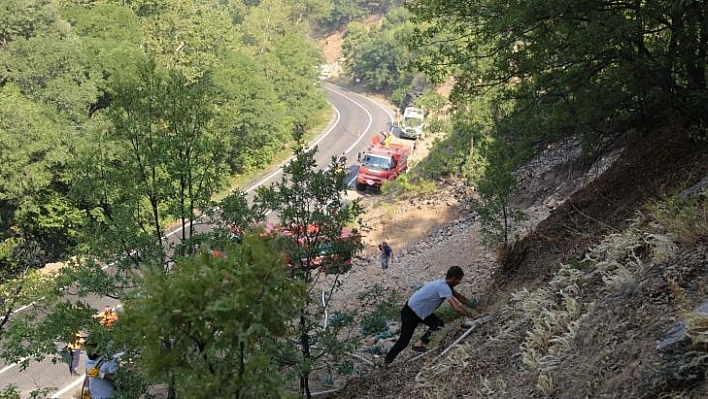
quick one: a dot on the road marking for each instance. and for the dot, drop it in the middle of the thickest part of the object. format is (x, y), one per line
(325, 134)
(67, 388)
(26, 306)
(280, 170)
(371, 118)
(4, 369)
(8, 367)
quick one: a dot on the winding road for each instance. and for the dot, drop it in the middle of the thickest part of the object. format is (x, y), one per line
(356, 119)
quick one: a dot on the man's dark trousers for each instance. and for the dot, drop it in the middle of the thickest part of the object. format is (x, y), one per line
(409, 321)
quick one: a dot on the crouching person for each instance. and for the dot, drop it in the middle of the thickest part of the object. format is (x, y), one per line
(420, 308)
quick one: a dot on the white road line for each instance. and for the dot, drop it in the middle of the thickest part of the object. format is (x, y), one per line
(26, 306)
(280, 170)
(67, 388)
(325, 134)
(4, 369)
(8, 367)
(371, 118)
(267, 178)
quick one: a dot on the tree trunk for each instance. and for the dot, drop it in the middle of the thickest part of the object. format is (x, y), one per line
(305, 342)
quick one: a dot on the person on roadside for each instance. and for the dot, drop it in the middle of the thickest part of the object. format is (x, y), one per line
(383, 135)
(74, 350)
(342, 162)
(100, 370)
(420, 308)
(385, 255)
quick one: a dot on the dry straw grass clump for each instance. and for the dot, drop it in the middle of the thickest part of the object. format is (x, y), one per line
(683, 218)
(555, 316)
(557, 312)
(547, 319)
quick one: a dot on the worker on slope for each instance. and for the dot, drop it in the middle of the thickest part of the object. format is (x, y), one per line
(420, 308)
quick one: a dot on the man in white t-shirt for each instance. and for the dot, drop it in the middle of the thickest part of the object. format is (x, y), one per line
(99, 373)
(420, 308)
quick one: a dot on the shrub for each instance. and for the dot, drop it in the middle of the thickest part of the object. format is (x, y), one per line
(686, 218)
(374, 323)
(385, 308)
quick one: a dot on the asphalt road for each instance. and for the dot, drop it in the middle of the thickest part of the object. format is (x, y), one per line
(355, 120)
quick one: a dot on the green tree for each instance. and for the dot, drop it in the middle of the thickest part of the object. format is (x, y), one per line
(37, 222)
(45, 93)
(24, 19)
(152, 161)
(186, 36)
(310, 206)
(111, 37)
(293, 81)
(378, 54)
(498, 216)
(287, 60)
(216, 323)
(344, 12)
(569, 67)
(310, 10)
(254, 122)
(156, 161)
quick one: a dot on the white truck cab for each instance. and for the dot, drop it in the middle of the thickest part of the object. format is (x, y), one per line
(412, 123)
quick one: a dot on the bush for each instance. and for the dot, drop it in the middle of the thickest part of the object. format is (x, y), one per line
(410, 183)
(385, 308)
(374, 323)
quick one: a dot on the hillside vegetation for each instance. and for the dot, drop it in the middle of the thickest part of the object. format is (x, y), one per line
(119, 117)
(579, 300)
(579, 303)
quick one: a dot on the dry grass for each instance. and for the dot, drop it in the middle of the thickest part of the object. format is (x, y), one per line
(551, 317)
(683, 218)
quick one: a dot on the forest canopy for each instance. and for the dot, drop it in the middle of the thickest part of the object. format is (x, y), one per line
(71, 70)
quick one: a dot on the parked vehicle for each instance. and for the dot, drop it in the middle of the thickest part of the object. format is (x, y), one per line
(382, 161)
(317, 250)
(412, 123)
(314, 248)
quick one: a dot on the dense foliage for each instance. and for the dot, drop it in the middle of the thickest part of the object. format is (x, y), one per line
(74, 76)
(218, 324)
(532, 73)
(119, 117)
(377, 56)
(570, 67)
(342, 12)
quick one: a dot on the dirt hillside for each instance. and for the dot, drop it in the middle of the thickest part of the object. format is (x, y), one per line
(581, 300)
(573, 205)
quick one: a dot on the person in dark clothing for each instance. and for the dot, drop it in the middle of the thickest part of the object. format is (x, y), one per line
(420, 308)
(75, 352)
(386, 253)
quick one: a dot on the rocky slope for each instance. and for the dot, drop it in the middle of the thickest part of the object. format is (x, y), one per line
(556, 331)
